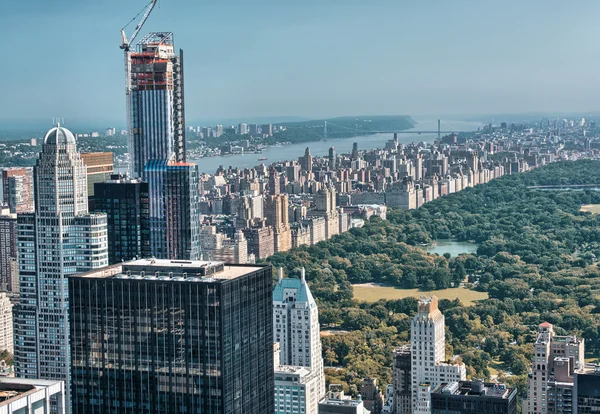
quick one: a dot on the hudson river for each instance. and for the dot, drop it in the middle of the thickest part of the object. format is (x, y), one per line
(321, 148)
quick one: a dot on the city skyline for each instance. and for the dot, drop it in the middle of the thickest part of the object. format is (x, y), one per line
(426, 58)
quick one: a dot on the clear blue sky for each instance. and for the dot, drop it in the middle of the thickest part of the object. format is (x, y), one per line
(312, 58)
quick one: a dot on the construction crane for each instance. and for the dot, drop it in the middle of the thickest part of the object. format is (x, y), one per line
(126, 46)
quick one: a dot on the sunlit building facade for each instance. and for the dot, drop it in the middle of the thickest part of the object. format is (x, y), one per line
(162, 336)
(157, 112)
(59, 240)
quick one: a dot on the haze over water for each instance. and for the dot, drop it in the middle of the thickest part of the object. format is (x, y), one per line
(321, 148)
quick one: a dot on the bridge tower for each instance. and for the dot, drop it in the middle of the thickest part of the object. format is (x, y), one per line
(439, 130)
(325, 130)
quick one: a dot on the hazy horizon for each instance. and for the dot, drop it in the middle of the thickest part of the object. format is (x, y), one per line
(314, 59)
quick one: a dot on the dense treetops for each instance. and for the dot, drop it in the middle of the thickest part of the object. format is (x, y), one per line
(537, 259)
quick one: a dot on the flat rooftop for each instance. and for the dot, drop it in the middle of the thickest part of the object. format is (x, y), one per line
(472, 388)
(12, 389)
(172, 270)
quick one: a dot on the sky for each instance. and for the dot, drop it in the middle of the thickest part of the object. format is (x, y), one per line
(246, 59)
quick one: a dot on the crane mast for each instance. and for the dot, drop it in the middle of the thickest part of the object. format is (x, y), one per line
(126, 46)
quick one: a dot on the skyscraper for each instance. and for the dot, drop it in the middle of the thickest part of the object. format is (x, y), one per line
(332, 159)
(99, 167)
(428, 348)
(17, 189)
(161, 336)
(556, 359)
(58, 240)
(274, 183)
(174, 209)
(8, 251)
(296, 327)
(157, 102)
(276, 214)
(125, 202)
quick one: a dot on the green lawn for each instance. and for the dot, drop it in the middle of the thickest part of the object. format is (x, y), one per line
(592, 208)
(372, 293)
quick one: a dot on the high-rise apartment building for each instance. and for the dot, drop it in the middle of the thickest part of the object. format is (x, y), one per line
(156, 102)
(173, 209)
(99, 167)
(296, 327)
(242, 128)
(179, 336)
(59, 240)
(296, 388)
(274, 182)
(6, 323)
(428, 348)
(17, 189)
(267, 129)
(332, 159)
(125, 202)
(306, 161)
(551, 381)
(276, 214)
(402, 385)
(9, 272)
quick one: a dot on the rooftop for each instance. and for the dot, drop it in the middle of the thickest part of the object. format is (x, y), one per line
(172, 270)
(12, 389)
(474, 388)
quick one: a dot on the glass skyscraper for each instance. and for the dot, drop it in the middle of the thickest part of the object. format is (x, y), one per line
(156, 102)
(58, 240)
(125, 202)
(162, 336)
(174, 209)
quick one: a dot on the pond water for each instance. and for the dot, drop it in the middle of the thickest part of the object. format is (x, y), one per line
(451, 246)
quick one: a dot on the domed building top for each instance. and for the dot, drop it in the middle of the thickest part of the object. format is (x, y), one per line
(59, 136)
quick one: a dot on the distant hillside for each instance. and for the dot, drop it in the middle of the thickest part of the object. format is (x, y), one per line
(341, 127)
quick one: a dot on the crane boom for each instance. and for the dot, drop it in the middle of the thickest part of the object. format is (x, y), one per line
(125, 43)
(126, 46)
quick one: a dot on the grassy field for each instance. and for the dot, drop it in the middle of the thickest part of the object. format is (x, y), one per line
(592, 208)
(369, 292)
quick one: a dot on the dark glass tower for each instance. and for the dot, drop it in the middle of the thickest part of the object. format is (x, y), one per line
(125, 202)
(162, 336)
(174, 209)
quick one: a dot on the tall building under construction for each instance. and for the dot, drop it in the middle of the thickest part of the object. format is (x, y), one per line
(156, 102)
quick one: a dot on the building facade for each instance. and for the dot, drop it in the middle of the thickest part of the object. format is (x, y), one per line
(17, 189)
(157, 129)
(158, 336)
(6, 323)
(8, 252)
(296, 327)
(401, 375)
(473, 397)
(32, 396)
(59, 240)
(551, 380)
(428, 348)
(125, 202)
(99, 167)
(173, 209)
(587, 392)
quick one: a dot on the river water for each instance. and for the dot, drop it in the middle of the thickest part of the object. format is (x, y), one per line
(321, 148)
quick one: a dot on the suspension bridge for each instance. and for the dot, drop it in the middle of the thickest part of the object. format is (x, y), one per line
(437, 131)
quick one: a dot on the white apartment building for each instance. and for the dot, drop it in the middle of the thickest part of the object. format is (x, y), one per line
(59, 240)
(428, 349)
(296, 329)
(6, 323)
(31, 396)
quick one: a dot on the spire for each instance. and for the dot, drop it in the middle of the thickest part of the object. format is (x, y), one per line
(303, 275)
(280, 273)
